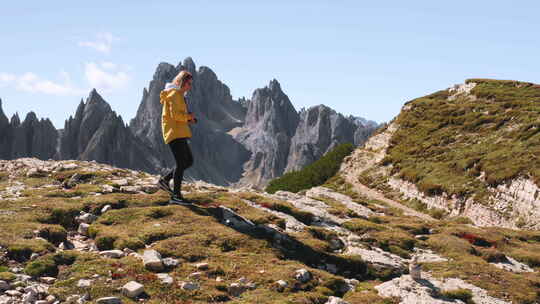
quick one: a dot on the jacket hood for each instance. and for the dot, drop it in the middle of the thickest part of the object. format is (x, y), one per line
(168, 87)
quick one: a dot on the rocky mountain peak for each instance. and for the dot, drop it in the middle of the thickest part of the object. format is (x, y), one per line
(164, 72)
(3, 117)
(15, 120)
(272, 109)
(30, 118)
(189, 65)
(95, 101)
(274, 85)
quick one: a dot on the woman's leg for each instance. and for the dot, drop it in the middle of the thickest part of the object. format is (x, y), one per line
(184, 159)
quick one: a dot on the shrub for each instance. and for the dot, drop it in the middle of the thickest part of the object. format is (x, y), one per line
(43, 266)
(105, 242)
(54, 234)
(464, 295)
(314, 174)
(7, 276)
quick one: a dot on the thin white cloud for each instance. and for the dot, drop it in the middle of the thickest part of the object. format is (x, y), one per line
(30, 82)
(6, 79)
(102, 44)
(106, 76)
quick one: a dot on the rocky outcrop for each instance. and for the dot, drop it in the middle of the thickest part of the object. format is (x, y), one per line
(32, 138)
(97, 133)
(5, 135)
(245, 142)
(320, 130)
(429, 290)
(218, 157)
(271, 122)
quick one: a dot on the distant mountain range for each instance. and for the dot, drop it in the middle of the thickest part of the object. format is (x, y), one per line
(244, 142)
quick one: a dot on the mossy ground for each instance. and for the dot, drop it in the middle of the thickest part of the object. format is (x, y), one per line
(194, 234)
(444, 145)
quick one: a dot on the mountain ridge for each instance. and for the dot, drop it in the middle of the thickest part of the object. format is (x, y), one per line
(219, 115)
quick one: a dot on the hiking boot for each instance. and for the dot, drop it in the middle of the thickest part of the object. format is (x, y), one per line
(164, 185)
(179, 200)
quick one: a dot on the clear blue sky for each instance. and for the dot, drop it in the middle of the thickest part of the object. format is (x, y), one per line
(364, 58)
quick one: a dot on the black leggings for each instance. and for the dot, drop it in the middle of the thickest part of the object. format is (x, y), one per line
(184, 159)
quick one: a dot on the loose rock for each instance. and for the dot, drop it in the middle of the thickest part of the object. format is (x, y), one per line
(83, 229)
(165, 278)
(112, 254)
(83, 283)
(202, 266)
(336, 300)
(106, 208)
(170, 262)
(132, 289)
(189, 286)
(109, 300)
(4, 286)
(235, 289)
(48, 280)
(152, 260)
(302, 275)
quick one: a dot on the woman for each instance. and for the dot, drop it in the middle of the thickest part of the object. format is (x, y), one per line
(175, 120)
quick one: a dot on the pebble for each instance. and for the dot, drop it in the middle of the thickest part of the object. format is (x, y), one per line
(302, 275)
(196, 275)
(109, 300)
(83, 283)
(282, 283)
(47, 280)
(189, 286)
(165, 278)
(83, 229)
(13, 293)
(132, 289)
(235, 289)
(202, 266)
(170, 262)
(106, 208)
(4, 285)
(112, 254)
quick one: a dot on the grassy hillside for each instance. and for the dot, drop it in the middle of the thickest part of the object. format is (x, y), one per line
(445, 145)
(314, 174)
(37, 215)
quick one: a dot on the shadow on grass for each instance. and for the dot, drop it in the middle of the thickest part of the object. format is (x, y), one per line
(291, 248)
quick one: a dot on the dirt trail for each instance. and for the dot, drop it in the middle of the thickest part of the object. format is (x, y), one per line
(374, 194)
(365, 158)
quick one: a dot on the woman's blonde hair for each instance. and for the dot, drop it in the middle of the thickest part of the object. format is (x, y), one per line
(181, 78)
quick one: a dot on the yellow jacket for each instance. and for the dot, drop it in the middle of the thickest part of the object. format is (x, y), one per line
(174, 115)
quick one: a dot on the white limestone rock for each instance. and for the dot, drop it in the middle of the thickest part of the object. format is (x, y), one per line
(336, 300)
(84, 283)
(189, 286)
(109, 300)
(83, 229)
(411, 291)
(165, 278)
(112, 254)
(132, 289)
(302, 275)
(152, 260)
(513, 266)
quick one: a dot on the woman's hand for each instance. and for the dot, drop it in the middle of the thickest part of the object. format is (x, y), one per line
(191, 118)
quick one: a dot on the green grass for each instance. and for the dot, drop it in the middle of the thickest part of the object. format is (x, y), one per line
(314, 174)
(443, 146)
(464, 295)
